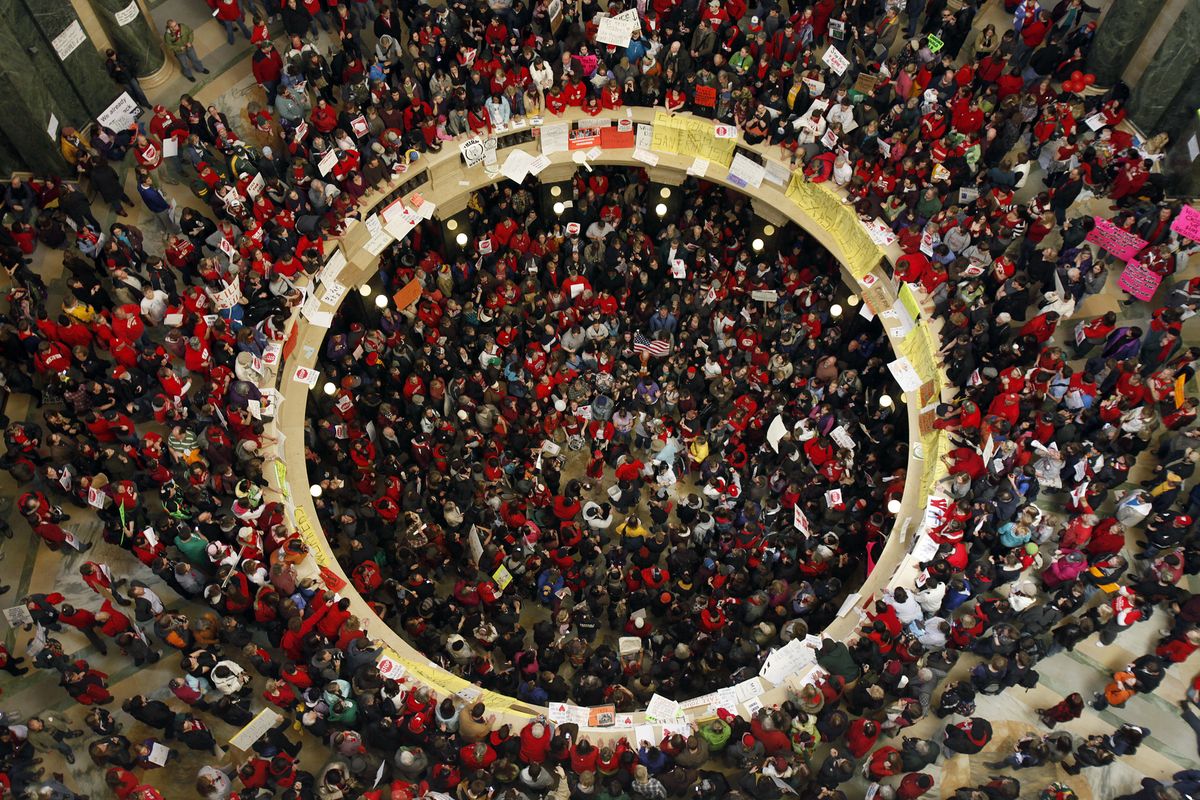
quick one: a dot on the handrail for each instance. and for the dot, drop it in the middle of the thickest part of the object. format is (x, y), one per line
(444, 181)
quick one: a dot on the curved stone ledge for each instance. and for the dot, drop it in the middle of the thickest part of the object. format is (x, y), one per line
(442, 179)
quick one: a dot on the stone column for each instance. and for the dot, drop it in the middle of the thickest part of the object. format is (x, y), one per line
(1179, 118)
(44, 30)
(35, 89)
(132, 34)
(1168, 73)
(1126, 22)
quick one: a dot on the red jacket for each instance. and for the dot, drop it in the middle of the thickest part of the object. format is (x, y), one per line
(267, 66)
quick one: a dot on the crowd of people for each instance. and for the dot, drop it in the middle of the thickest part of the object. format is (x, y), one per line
(572, 438)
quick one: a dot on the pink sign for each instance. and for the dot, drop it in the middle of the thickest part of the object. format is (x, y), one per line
(1121, 243)
(1139, 281)
(1187, 223)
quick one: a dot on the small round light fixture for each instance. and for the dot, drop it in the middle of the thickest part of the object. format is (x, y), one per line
(555, 191)
(451, 224)
(330, 387)
(381, 301)
(461, 239)
(885, 400)
(315, 490)
(664, 192)
(769, 230)
(559, 208)
(365, 290)
(894, 506)
(757, 244)
(661, 209)
(835, 311)
(852, 300)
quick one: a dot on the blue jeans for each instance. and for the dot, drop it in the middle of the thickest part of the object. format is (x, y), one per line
(228, 26)
(188, 61)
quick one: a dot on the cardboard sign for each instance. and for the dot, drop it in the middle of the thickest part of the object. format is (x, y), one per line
(502, 577)
(573, 228)
(1187, 223)
(706, 96)
(1121, 243)
(359, 126)
(934, 43)
(407, 295)
(834, 59)
(1139, 281)
(722, 131)
(865, 84)
(327, 162)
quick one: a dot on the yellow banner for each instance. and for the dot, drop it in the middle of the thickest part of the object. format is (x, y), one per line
(688, 136)
(310, 536)
(859, 254)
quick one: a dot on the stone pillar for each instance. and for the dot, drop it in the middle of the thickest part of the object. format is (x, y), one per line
(1168, 73)
(45, 29)
(1117, 37)
(35, 90)
(1179, 118)
(133, 34)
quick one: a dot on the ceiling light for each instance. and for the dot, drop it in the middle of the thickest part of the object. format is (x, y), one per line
(330, 387)
(661, 209)
(894, 505)
(835, 311)
(559, 208)
(852, 300)
(365, 290)
(315, 490)
(381, 300)
(885, 400)
(461, 239)
(664, 192)
(555, 191)
(757, 244)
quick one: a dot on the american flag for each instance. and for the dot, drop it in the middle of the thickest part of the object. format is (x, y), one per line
(655, 347)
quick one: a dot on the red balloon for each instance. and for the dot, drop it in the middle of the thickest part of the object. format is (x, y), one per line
(1089, 79)
(1077, 76)
(1072, 87)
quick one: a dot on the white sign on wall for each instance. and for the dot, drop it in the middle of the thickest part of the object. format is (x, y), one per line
(66, 42)
(128, 14)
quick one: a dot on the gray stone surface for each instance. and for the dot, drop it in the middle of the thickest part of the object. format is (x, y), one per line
(1118, 37)
(81, 75)
(136, 39)
(1170, 73)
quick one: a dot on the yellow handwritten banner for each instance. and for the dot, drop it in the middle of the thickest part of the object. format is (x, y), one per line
(688, 136)
(859, 254)
(309, 534)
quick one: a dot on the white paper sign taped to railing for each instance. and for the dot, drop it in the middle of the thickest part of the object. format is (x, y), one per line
(661, 709)
(905, 374)
(644, 138)
(475, 150)
(516, 166)
(747, 172)
(554, 137)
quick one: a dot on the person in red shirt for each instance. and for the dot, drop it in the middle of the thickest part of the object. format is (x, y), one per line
(267, 66)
